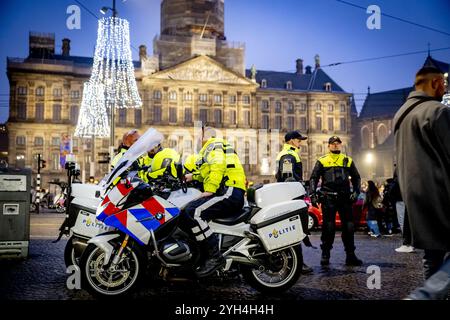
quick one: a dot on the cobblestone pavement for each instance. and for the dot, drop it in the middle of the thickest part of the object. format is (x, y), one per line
(42, 276)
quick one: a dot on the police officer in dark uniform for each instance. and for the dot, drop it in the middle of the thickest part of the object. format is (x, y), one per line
(335, 170)
(289, 168)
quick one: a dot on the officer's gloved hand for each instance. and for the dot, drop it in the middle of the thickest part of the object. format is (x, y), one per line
(314, 200)
(354, 196)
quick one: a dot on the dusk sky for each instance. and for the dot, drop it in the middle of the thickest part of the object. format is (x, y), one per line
(276, 33)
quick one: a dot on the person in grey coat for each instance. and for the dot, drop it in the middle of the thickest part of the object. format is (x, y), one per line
(422, 131)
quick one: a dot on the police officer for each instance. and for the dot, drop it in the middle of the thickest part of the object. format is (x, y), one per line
(128, 139)
(289, 163)
(335, 171)
(223, 177)
(289, 168)
(164, 162)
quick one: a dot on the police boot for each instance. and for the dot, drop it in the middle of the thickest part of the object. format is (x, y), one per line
(214, 259)
(325, 260)
(352, 260)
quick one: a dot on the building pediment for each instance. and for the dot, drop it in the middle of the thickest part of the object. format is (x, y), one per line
(202, 69)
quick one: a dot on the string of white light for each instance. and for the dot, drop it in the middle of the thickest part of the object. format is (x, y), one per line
(112, 83)
(113, 65)
(93, 116)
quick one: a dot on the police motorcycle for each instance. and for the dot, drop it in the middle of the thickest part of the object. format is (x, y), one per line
(261, 242)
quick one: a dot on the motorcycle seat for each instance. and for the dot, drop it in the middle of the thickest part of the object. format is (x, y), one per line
(243, 215)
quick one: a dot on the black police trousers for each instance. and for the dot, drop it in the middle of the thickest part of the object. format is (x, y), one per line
(331, 205)
(196, 213)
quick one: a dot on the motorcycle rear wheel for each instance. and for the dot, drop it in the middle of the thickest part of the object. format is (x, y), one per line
(100, 281)
(282, 271)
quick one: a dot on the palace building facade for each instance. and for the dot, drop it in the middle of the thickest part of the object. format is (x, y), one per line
(194, 74)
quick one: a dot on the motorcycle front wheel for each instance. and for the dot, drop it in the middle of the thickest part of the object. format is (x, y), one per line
(279, 272)
(111, 280)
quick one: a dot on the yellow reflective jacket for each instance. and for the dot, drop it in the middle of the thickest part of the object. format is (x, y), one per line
(164, 161)
(289, 155)
(218, 166)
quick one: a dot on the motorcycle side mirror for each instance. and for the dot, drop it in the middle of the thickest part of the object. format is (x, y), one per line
(179, 167)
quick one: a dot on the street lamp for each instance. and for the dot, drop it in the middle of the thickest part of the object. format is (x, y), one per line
(370, 160)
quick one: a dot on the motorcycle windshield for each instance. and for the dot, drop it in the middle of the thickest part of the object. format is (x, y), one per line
(150, 139)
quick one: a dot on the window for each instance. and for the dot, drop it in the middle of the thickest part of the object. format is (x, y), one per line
(40, 91)
(263, 83)
(303, 149)
(319, 148)
(343, 124)
(331, 124)
(74, 114)
(188, 96)
(303, 107)
(217, 116)
(157, 114)
(303, 123)
(365, 137)
(246, 99)
(247, 118)
(173, 143)
(173, 115)
(278, 122)
(75, 94)
(278, 107)
(319, 123)
(217, 98)
(330, 108)
(20, 140)
(265, 105)
(232, 116)
(203, 116)
(57, 92)
(138, 117)
(56, 141)
(56, 112)
(289, 85)
(122, 116)
(22, 91)
(157, 95)
(382, 133)
(318, 107)
(343, 107)
(21, 111)
(265, 122)
(172, 95)
(203, 97)
(55, 161)
(290, 123)
(188, 115)
(75, 142)
(290, 107)
(38, 141)
(39, 112)
(327, 86)
(232, 99)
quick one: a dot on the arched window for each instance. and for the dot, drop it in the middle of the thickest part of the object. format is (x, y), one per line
(365, 137)
(263, 83)
(382, 133)
(289, 85)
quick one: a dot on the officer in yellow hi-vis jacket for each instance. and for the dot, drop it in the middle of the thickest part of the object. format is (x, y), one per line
(128, 139)
(164, 162)
(336, 170)
(289, 168)
(288, 162)
(223, 178)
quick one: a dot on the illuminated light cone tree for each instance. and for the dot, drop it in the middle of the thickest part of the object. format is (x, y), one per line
(112, 84)
(93, 118)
